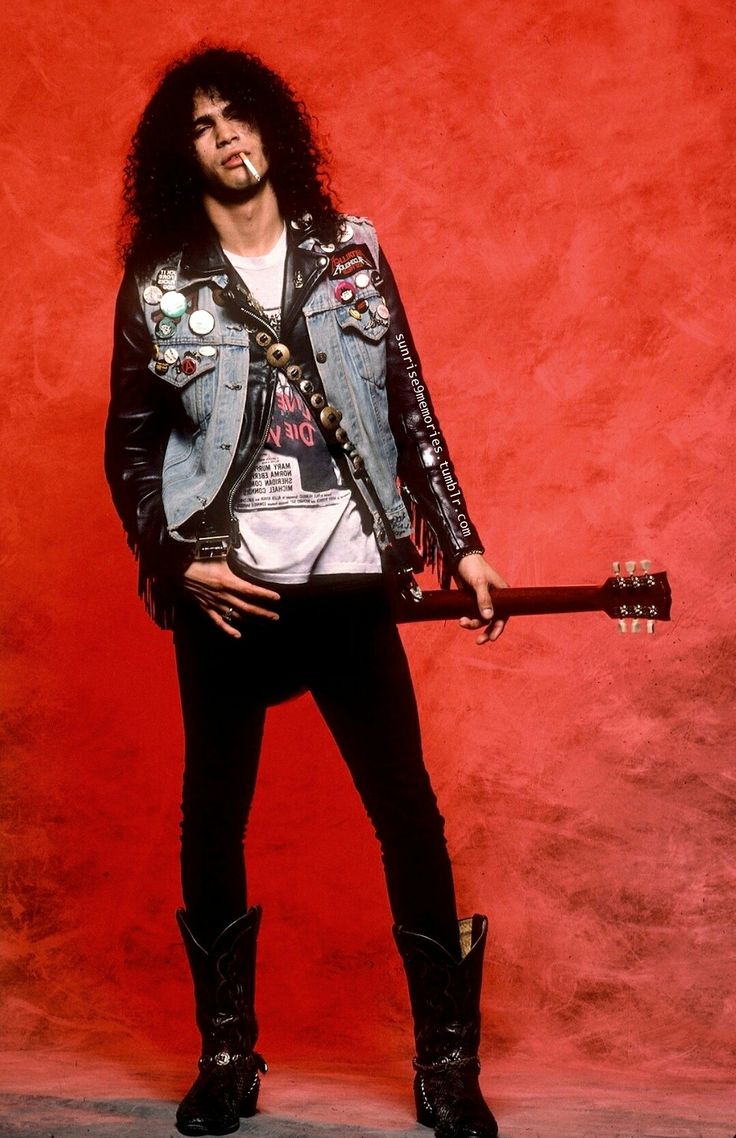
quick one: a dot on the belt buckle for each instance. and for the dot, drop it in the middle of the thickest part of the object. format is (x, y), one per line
(211, 548)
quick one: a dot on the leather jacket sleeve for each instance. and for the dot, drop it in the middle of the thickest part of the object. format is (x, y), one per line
(425, 466)
(138, 426)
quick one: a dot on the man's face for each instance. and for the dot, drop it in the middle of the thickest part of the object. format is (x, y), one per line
(219, 138)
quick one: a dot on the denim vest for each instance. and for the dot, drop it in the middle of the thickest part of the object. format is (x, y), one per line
(210, 373)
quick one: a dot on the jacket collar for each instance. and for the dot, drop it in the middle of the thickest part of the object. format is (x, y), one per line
(202, 259)
(306, 265)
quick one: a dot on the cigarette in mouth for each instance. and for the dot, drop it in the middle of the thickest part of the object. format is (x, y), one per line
(250, 168)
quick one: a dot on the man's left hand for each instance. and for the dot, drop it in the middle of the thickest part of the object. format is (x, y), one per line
(474, 570)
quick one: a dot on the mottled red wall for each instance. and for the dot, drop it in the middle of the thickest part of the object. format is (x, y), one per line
(553, 185)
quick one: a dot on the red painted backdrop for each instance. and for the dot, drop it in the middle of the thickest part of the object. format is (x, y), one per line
(552, 182)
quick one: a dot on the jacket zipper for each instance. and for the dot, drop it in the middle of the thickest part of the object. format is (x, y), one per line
(266, 327)
(256, 454)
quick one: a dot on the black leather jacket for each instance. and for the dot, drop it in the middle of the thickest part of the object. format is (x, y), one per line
(143, 412)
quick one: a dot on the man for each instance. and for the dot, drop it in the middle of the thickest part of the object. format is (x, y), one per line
(270, 443)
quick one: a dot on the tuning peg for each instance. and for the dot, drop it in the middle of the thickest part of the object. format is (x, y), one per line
(646, 566)
(636, 626)
(616, 566)
(631, 567)
(622, 626)
(650, 627)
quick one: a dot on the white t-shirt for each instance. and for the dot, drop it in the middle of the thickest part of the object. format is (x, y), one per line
(297, 518)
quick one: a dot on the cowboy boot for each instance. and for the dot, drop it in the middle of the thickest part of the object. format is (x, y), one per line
(226, 1088)
(445, 1003)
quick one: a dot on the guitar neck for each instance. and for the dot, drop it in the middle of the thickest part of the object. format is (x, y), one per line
(449, 604)
(646, 597)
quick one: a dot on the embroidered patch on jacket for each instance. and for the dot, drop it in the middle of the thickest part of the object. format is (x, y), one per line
(351, 260)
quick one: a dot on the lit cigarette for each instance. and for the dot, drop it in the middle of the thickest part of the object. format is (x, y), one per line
(250, 168)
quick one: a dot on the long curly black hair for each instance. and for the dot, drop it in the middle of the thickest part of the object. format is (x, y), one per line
(162, 190)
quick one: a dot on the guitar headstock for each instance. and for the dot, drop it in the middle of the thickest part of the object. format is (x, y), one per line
(641, 598)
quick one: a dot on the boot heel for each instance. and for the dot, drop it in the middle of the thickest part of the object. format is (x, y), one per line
(425, 1112)
(249, 1101)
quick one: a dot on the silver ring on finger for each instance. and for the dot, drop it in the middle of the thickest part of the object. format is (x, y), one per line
(227, 616)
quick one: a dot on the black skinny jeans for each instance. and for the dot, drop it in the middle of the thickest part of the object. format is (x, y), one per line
(342, 646)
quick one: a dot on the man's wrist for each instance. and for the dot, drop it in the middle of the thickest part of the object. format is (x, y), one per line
(468, 553)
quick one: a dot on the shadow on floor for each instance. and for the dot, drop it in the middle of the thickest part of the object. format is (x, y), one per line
(42, 1116)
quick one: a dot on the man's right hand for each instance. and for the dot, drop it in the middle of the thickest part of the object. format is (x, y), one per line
(223, 596)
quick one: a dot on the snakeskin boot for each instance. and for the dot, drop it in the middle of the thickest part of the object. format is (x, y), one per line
(226, 1088)
(445, 1003)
